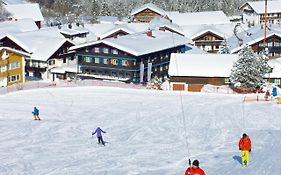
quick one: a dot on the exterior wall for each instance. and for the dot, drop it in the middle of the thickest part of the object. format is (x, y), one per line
(208, 42)
(200, 80)
(145, 16)
(12, 69)
(273, 45)
(104, 62)
(252, 18)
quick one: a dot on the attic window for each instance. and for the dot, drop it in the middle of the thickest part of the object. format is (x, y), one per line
(97, 50)
(115, 51)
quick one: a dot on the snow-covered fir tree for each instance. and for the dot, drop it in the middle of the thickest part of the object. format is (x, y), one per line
(224, 49)
(248, 71)
(155, 83)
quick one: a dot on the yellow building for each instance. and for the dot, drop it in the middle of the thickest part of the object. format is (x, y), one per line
(12, 66)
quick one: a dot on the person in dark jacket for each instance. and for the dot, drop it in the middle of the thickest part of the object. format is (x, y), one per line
(98, 131)
(35, 113)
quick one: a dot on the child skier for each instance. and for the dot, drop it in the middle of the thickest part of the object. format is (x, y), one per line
(245, 147)
(194, 169)
(35, 113)
(98, 131)
(266, 96)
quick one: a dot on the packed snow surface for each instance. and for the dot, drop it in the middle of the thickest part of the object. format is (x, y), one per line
(148, 132)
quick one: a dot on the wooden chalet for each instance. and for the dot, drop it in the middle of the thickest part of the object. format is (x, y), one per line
(147, 12)
(190, 72)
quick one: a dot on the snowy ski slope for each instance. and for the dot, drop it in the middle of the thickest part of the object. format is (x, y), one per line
(145, 132)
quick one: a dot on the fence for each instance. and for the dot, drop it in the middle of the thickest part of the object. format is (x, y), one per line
(43, 84)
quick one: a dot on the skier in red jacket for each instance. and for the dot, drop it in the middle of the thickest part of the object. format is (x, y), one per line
(194, 169)
(245, 146)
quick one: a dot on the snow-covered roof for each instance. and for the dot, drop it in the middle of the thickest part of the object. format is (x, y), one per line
(196, 18)
(15, 51)
(151, 7)
(103, 30)
(276, 65)
(41, 44)
(140, 44)
(201, 65)
(223, 30)
(107, 19)
(250, 37)
(158, 22)
(74, 30)
(9, 2)
(258, 6)
(21, 25)
(115, 29)
(22, 11)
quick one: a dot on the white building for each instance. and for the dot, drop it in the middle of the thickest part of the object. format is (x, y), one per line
(253, 12)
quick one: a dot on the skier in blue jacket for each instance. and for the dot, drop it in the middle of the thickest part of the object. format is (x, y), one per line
(98, 131)
(35, 113)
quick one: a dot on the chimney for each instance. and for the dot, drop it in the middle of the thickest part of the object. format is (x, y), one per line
(69, 26)
(149, 33)
(98, 38)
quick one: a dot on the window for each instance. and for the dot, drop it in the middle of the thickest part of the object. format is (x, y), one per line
(97, 60)
(14, 78)
(114, 61)
(125, 63)
(226, 81)
(64, 60)
(105, 61)
(105, 50)
(277, 81)
(3, 68)
(14, 65)
(97, 50)
(52, 62)
(115, 51)
(88, 59)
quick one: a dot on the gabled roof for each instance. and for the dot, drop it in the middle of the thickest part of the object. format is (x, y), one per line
(22, 11)
(15, 51)
(40, 46)
(196, 18)
(205, 32)
(140, 44)
(201, 65)
(258, 6)
(222, 30)
(117, 28)
(150, 6)
(159, 22)
(250, 37)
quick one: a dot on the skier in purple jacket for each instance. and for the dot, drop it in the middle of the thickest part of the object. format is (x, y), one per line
(98, 131)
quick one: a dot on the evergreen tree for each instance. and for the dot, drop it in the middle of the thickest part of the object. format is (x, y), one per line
(223, 49)
(248, 71)
(105, 11)
(155, 83)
